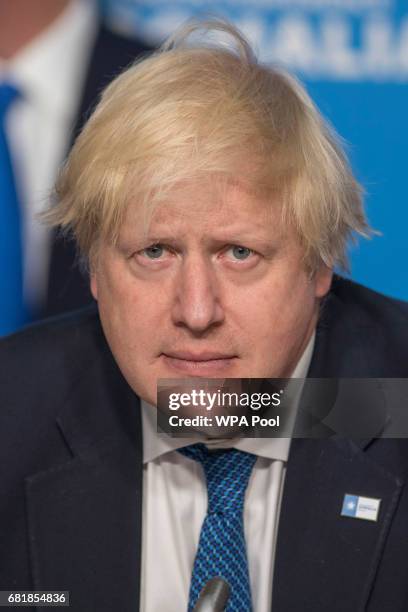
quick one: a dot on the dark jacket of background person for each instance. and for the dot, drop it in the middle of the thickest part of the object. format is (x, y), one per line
(71, 471)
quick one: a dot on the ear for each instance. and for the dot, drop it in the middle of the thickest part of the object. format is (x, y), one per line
(94, 284)
(92, 268)
(322, 279)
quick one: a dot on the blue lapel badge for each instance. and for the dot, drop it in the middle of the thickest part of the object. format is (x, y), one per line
(365, 508)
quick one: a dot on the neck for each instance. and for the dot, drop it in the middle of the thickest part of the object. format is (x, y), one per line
(23, 20)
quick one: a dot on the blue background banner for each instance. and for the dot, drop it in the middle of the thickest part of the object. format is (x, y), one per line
(352, 55)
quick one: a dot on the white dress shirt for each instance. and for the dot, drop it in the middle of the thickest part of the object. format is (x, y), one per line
(49, 73)
(175, 505)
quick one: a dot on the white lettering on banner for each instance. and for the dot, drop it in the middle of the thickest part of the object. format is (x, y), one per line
(330, 44)
(353, 6)
(326, 49)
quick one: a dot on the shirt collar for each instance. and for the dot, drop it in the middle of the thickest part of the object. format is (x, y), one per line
(157, 444)
(49, 70)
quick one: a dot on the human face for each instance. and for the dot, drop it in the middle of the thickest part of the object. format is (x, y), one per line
(215, 287)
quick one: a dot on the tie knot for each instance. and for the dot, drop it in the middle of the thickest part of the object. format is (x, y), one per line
(8, 93)
(227, 473)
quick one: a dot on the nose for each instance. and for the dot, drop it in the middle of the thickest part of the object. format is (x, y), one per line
(197, 304)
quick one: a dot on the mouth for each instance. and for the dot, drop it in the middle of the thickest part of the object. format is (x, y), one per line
(199, 364)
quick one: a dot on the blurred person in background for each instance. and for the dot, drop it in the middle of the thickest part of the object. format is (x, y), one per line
(55, 57)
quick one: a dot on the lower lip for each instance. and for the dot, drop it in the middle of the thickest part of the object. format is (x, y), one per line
(199, 368)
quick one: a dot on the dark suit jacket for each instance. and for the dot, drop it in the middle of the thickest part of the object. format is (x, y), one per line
(71, 471)
(68, 288)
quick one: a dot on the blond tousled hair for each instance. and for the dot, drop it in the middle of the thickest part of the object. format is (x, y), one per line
(202, 108)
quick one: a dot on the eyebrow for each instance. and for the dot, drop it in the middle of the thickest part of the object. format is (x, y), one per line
(238, 235)
(224, 234)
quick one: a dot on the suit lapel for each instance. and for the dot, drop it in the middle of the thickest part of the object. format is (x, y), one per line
(325, 561)
(85, 516)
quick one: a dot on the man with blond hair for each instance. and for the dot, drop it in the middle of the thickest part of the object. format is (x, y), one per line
(210, 203)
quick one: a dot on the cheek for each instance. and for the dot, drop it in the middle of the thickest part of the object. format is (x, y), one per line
(133, 311)
(276, 320)
(298, 308)
(283, 299)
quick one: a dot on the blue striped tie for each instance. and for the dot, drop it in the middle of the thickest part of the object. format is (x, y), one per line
(221, 549)
(12, 309)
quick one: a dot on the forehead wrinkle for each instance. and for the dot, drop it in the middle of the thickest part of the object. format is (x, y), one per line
(199, 204)
(232, 221)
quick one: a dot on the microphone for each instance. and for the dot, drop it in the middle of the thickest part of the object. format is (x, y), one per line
(214, 596)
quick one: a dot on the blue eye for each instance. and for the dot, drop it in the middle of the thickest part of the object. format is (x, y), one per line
(155, 251)
(241, 252)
